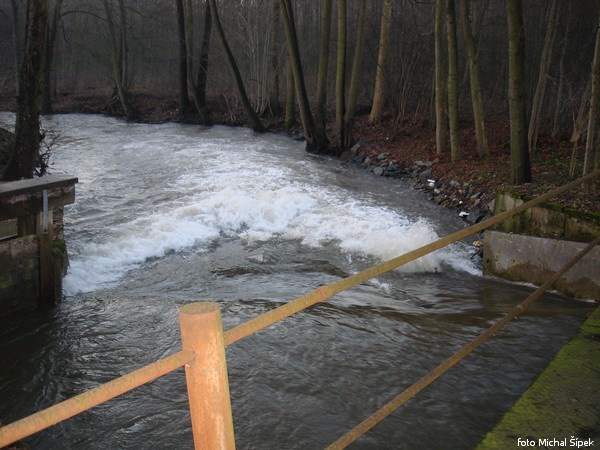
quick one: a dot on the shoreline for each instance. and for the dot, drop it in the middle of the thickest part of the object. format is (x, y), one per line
(392, 149)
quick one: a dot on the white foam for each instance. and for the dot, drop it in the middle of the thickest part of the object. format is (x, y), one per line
(219, 187)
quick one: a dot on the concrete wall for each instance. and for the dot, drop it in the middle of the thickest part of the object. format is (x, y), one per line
(548, 220)
(534, 259)
(19, 275)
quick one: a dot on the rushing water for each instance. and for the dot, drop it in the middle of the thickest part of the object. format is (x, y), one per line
(170, 214)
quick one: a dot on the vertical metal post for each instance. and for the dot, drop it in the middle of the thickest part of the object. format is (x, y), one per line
(46, 220)
(206, 375)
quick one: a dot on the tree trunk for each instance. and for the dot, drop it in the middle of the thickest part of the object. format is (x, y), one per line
(290, 98)
(184, 103)
(355, 77)
(441, 118)
(323, 69)
(119, 57)
(340, 79)
(540, 88)
(520, 165)
(17, 41)
(453, 116)
(27, 127)
(380, 81)
(255, 122)
(592, 157)
(274, 106)
(199, 91)
(316, 142)
(476, 98)
(556, 125)
(50, 43)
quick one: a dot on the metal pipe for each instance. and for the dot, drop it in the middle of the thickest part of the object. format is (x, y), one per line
(206, 375)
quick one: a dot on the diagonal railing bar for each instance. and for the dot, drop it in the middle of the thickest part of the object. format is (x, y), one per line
(417, 387)
(82, 402)
(325, 292)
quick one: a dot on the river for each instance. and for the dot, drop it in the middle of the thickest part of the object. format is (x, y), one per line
(170, 214)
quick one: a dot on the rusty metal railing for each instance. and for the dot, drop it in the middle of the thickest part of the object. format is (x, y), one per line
(204, 342)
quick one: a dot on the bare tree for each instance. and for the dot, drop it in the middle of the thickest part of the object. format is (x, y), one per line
(591, 159)
(540, 88)
(441, 118)
(235, 73)
(453, 116)
(355, 76)
(52, 29)
(340, 78)
(476, 97)
(184, 103)
(273, 105)
(119, 56)
(324, 39)
(382, 56)
(520, 165)
(27, 127)
(316, 140)
(199, 90)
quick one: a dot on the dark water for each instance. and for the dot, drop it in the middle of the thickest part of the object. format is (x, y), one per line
(169, 214)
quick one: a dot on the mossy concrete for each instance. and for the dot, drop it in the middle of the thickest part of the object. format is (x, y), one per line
(533, 259)
(548, 220)
(562, 403)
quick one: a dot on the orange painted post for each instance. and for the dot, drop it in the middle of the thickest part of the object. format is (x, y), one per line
(206, 374)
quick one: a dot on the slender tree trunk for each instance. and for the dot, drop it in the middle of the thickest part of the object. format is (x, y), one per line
(520, 165)
(199, 90)
(48, 63)
(579, 125)
(119, 57)
(340, 80)
(22, 162)
(184, 103)
(591, 158)
(476, 97)
(561, 76)
(316, 142)
(274, 106)
(123, 45)
(453, 116)
(540, 88)
(255, 122)
(355, 77)
(17, 55)
(290, 98)
(323, 69)
(189, 39)
(441, 118)
(380, 82)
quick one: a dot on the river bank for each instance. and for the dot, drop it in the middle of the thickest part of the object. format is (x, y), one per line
(396, 149)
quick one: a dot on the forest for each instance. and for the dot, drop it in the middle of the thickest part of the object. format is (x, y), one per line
(440, 64)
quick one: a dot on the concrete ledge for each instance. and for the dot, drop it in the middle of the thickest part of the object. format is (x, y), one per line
(532, 259)
(562, 407)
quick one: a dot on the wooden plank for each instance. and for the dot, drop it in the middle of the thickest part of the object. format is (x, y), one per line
(35, 184)
(28, 204)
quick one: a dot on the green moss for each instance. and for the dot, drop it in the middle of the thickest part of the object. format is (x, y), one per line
(562, 401)
(59, 247)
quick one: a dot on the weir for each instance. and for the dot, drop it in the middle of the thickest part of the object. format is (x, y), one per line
(203, 355)
(32, 261)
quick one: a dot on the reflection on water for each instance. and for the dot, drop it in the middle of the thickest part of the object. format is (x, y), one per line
(252, 222)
